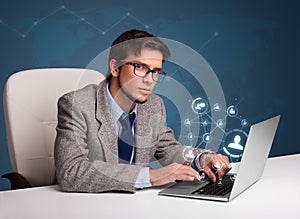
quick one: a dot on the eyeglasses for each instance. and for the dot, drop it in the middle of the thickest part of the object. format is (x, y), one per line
(142, 70)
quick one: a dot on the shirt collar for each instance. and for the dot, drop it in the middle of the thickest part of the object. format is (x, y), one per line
(116, 110)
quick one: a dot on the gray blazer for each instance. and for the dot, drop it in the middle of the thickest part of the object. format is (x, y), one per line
(86, 148)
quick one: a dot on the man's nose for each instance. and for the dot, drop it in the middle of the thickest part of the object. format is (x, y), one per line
(148, 78)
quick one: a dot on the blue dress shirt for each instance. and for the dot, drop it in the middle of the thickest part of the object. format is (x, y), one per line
(143, 179)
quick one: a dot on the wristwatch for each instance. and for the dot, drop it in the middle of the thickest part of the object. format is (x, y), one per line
(196, 163)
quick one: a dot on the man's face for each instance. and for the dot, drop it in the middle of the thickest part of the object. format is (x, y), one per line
(137, 88)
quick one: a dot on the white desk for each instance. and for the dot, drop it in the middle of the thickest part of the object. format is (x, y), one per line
(265, 199)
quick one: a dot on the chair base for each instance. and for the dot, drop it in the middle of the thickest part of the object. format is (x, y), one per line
(17, 181)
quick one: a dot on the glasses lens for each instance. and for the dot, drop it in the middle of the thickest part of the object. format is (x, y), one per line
(142, 71)
(158, 77)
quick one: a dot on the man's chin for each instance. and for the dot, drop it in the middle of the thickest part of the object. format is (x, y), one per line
(141, 101)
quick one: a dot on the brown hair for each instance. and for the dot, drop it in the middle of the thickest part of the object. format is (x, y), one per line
(133, 41)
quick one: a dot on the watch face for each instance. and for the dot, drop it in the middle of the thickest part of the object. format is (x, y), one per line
(188, 154)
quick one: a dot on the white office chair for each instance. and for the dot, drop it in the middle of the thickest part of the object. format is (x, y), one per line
(30, 110)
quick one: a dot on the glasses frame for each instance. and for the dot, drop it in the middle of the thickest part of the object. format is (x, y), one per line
(153, 71)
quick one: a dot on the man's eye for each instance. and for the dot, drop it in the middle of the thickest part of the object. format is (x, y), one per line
(140, 66)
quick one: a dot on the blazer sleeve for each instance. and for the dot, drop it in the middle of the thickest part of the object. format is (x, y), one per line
(74, 171)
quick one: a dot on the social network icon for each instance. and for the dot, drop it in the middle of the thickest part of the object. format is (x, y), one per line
(232, 111)
(199, 106)
(236, 144)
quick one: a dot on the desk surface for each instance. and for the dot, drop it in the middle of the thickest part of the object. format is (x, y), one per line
(265, 199)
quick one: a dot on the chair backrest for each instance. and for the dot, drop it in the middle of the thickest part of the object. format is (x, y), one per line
(30, 110)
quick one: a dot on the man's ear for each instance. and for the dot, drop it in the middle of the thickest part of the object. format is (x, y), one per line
(114, 68)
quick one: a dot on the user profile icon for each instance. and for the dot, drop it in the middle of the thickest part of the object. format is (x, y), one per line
(217, 107)
(206, 138)
(187, 122)
(244, 123)
(199, 105)
(205, 122)
(236, 143)
(190, 136)
(232, 111)
(220, 123)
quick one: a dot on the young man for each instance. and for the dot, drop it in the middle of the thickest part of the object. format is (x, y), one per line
(108, 133)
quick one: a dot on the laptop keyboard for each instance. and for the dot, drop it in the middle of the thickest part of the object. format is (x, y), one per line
(218, 188)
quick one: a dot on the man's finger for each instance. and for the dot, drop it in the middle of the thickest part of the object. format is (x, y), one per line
(222, 171)
(211, 175)
(187, 170)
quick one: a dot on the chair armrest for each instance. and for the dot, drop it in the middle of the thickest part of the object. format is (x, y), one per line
(17, 181)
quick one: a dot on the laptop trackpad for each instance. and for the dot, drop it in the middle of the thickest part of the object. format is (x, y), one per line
(185, 187)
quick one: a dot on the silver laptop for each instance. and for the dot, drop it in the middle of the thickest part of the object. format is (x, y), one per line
(250, 170)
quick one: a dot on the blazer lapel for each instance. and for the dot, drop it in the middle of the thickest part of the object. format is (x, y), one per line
(143, 137)
(107, 131)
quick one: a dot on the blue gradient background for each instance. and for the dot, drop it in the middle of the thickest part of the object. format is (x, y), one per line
(255, 55)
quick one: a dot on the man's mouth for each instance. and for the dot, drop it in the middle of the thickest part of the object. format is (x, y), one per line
(145, 90)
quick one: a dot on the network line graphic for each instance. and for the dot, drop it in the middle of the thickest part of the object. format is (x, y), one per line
(82, 19)
(233, 141)
(215, 34)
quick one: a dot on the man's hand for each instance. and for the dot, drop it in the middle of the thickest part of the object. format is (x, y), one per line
(171, 173)
(215, 165)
